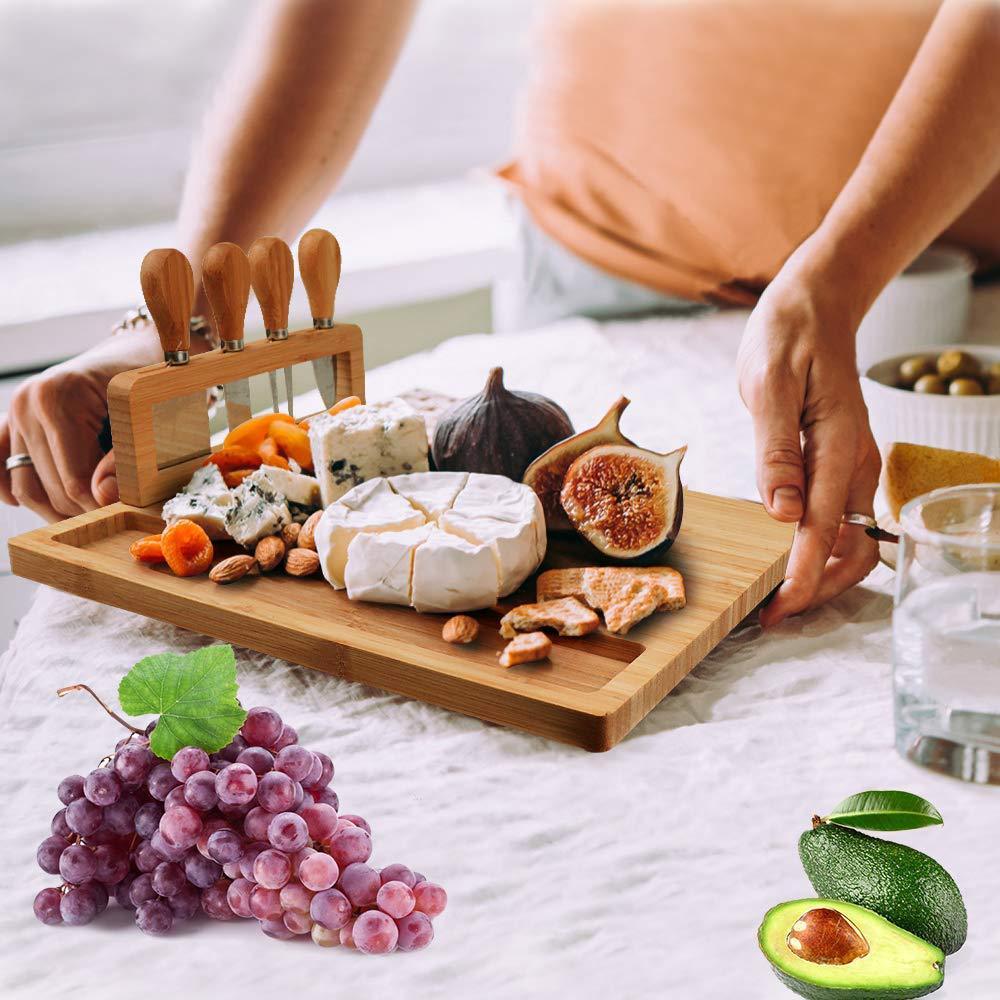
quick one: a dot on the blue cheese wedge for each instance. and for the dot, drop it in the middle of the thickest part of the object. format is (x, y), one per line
(204, 500)
(301, 492)
(257, 510)
(439, 541)
(366, 442)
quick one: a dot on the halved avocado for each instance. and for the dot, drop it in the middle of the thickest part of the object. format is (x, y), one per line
(825, 949)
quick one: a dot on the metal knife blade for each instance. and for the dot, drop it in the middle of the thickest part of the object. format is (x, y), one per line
(225, 272)
(319, 265)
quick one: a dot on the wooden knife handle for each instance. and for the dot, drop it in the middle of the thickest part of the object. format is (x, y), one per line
(271, 273)
(225, 272)
(319, 265)
(168, 288)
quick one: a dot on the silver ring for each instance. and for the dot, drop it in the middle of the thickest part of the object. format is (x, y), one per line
(20, 461)
(864, 520)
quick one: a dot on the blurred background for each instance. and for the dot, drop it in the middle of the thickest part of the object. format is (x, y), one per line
(96, 122)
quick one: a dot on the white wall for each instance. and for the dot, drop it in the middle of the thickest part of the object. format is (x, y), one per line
(101, 98)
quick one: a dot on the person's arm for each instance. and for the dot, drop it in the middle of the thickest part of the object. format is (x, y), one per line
(289, 114)
(287, 118)
(936, 149)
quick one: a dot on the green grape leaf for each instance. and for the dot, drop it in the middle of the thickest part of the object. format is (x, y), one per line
(885, 811)
(194, 694)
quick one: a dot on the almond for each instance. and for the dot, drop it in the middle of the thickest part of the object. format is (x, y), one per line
(301, 562)
(306, 540)
(290, 534)
(233, 568)
(269, 553)
(460, 629)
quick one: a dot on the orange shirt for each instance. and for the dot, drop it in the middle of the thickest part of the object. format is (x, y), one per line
(691, 145)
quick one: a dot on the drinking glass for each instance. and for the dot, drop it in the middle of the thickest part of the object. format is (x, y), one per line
(946, 633)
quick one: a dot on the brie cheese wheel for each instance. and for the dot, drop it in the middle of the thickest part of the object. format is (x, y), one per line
(366, 442)
(204, 500)
(451, 574)
(439, 541)
(370, 507)
(380, 564)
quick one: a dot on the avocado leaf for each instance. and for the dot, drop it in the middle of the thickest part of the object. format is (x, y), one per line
(886, 810)
(195, 694)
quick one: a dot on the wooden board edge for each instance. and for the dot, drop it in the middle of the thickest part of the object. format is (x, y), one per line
(32, 557)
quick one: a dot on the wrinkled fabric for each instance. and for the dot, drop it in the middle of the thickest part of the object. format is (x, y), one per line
(642, 872)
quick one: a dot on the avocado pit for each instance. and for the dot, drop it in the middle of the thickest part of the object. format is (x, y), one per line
(826, 937)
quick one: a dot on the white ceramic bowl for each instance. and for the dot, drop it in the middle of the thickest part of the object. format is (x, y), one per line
(965, 423)
(927, 304)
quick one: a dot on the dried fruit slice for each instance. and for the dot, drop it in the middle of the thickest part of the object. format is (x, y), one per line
(270, 455)
(236, 476)
(229, 458)
(293, 442)
(147, 550)
(546, 473)
(252, 432)
(186, 548)
(626, 501)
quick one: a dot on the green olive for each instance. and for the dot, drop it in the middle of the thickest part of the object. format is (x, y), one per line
(913, 368)
(993, 385)
(965, 387)
(957, 364)
(932, 384)
(994, 370)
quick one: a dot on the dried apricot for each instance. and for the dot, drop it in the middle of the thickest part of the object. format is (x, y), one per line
(231, 458)
(147, 550)
(344, 404)
(251, 432)
(234, 477)
(186, 548)
(270, 455)
(293, 442)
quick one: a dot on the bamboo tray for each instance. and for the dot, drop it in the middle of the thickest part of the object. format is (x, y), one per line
(591, 692)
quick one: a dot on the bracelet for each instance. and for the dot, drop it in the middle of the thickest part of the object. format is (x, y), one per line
(138, 317)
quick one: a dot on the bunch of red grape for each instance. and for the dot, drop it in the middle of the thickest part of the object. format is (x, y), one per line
(250, 831)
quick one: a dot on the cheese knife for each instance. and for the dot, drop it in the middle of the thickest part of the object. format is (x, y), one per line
(225, 272)
(319, 266)
(271, 274)
(180, 424)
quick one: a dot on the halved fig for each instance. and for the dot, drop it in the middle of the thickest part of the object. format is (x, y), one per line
(546, 473)
(626, 501)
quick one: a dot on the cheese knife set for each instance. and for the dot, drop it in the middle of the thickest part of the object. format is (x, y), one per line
(469, 567)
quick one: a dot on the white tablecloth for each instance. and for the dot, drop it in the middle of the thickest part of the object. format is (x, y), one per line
(638, 873)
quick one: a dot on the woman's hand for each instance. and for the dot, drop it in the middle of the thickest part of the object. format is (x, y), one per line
(815, 455)
(56, 417)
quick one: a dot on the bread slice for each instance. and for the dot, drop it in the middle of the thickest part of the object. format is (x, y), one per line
(566, 615)
(600, 585)
(914, 469)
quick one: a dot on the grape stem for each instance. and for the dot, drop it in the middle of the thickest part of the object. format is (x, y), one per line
(114, 715)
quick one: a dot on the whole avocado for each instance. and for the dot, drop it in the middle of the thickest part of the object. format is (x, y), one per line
(906, 887)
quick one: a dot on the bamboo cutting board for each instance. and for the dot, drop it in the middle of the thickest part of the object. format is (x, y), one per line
(592, 690)
(591, 693)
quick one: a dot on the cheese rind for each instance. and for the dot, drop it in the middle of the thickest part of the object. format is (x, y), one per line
(432, 493)
(366, 442)
(380, 564)
(370, 507)
(451, 574)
